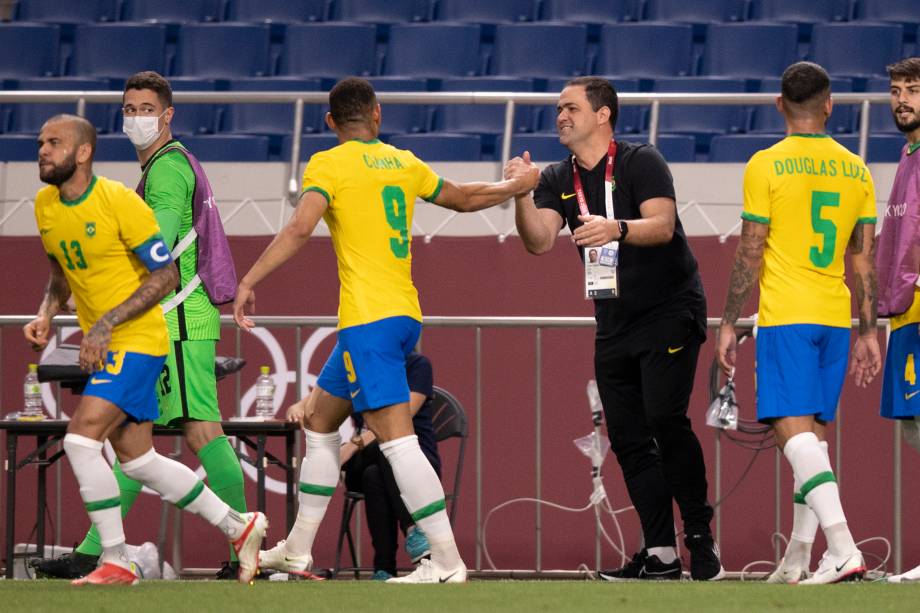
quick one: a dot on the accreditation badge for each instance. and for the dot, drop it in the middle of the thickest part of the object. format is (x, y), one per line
(601, 281)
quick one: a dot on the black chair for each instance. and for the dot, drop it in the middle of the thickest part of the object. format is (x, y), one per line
(449, 420)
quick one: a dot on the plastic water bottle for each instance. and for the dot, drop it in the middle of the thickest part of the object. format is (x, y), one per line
(32, 395)
(265, 395)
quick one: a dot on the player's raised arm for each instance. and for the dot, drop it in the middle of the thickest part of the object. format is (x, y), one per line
(286, 243)
(57, 292)
(520, 178)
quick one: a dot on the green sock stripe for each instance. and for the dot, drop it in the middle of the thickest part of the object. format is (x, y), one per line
(429, 510)
(819, 479)
(317, 490)
(101, 505)
(799, 498)
(191, 496)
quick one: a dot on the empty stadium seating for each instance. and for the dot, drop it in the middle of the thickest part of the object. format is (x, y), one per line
(139, 47)
(192, 118)
(675, 148)
(440, 147)
(29, 50)
(114, 148)
(483, 119)
(329, 50)
(172, 11)
(587, 11)
(856, 49)
(374, 11)
(624, 50)
(281, 11)
(698, 11)
(767, 119)
(28, 118)
(228, 147)
(273, 119)
(796, 11)
(486, 11)
(880, 118)
(517, 50)
(223, 51)
(749, 49)
(309, 144)
(899, 11)
(433, 50)
(68, 11)
(734, 148)
(542, 147)
(703, 121)
(402, 118)
(18, 148)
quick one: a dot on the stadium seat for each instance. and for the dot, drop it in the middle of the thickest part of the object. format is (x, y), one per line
(402, 118)
(796, 11)
(749, 49)
(433, 50)
(374, 11)
(883, 148)
(192, 118)
(440, 147)
(118, 50)
(280, 11)
(114, 148)
(275, 119)
(880, 118)
(228, 147)
(172, 11)
(68, 11)
(542, 147)
(856, 49)
(28, 118)
(309, 144)
(29, 50)
(629, 118)
(517, 46)
(624, 50)
(767, 119)
(675, 148)
(898, 11)
(701, 120)
(483, 119)
(223, 51)
(486, 11)
(586, 11)
(698, 11)
(329, 50)
(732, 148)
(18, 148)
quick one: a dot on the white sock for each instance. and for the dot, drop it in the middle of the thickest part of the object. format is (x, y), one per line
(665, 554)
(804, 526)
(424, 497)
(177, 484)
(99, 491)
(812, 468)
(319, 474)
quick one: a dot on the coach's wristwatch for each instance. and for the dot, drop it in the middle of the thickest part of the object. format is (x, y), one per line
(624, 229)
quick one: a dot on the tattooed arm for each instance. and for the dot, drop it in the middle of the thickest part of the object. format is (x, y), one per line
(152, 289)
(867, 360)
(37, 331)
(745, 274)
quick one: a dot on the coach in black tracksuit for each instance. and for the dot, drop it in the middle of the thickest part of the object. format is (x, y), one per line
(649, 334)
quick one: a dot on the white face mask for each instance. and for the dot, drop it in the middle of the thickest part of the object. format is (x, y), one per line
(142, 130)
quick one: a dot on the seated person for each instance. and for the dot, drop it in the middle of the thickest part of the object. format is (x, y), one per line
(367, 471)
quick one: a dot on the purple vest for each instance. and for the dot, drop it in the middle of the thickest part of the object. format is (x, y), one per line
(215, 262)
(897, 258)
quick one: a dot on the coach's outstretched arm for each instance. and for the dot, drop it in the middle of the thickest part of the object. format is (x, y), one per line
(468, 197)
(537, 227)
(286, 243)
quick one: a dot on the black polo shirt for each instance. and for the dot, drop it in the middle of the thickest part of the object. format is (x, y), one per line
(655, 282)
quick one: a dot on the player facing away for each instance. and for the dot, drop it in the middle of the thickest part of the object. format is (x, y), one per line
(105, 247)
(807, 201)
(899, 264)
(365, 191)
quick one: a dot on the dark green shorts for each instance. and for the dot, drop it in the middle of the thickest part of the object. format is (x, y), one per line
(187, 388)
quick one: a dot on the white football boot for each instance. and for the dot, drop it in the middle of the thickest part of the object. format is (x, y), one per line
(909, 576)
(787, 573)
(429, 571)
(833, 569)
(279, 559)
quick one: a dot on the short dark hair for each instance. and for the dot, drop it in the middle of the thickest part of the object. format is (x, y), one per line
(907, 69)
(600, 92)
(154, 81)
(352, 100)
(84, 131)
(805, 82)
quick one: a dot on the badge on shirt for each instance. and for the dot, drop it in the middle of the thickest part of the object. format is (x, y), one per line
(601, 272)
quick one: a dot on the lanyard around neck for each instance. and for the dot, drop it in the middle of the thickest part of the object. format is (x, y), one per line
(608, 179)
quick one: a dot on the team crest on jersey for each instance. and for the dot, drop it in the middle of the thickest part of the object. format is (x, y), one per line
(91, 228)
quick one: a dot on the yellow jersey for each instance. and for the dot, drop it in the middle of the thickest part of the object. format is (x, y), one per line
(371, 189)
(93, 238)
(812, 192)
(910, 316)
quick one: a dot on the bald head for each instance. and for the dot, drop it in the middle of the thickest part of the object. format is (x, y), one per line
(84, 133)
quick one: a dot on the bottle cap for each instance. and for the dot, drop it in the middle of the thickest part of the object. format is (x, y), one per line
(33, 367)
(264, 370)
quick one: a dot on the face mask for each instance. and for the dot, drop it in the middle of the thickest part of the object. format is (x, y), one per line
(142, 131)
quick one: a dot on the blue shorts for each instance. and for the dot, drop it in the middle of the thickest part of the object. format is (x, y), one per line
(129, 382)
(900, 391)
(800, 370)
(368, 364)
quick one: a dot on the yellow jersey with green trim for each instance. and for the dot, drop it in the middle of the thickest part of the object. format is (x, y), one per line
(812, 192)
(93, 238)
(370, 188)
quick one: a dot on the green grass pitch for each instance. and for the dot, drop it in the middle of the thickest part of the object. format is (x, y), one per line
(344, 596)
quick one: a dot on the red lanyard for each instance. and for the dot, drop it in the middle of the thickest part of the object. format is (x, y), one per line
(608, 177)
